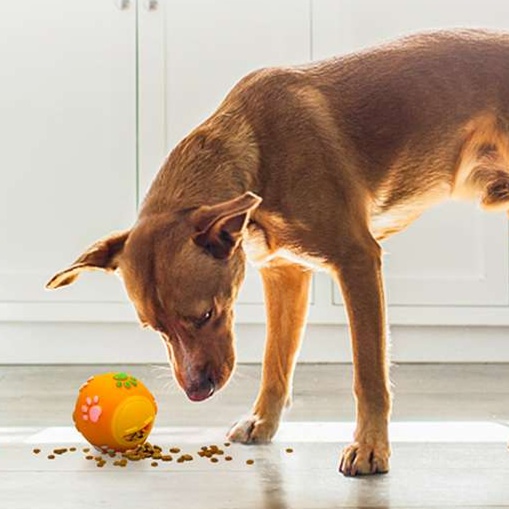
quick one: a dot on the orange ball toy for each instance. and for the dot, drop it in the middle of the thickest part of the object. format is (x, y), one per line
(114, 411)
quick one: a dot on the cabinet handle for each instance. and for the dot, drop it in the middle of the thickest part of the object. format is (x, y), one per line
(151, 5)
(123, 4)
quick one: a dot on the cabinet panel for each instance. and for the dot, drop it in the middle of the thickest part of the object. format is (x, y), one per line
(206, 48)
(68, 125)
(455, 254)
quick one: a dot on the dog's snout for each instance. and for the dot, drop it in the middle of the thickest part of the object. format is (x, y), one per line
(201, 390)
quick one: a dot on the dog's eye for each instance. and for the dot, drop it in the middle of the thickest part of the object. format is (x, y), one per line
(203, 319)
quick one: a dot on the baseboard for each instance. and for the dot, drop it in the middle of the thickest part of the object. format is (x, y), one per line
(106, 343)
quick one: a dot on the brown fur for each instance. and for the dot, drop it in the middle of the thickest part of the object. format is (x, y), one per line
(343, 154)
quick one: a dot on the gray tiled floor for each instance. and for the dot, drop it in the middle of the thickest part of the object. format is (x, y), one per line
(424, 472)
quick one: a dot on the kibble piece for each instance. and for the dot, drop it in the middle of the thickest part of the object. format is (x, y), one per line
(175, 450)
(36, 451)
(249, 462)
(89, 457)
(289, 450)
(187, 457)
(214, 460)
(167, 457)
(59, 451)
(51, 456)
(228, 458)
(154, 464)
(86, 449)
(227, 444)
(101, 464)
(72, 449)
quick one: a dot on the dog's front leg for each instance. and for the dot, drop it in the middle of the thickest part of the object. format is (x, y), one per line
(286, 289)
(360, 276)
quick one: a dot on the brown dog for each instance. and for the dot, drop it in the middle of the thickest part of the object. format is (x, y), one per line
(305, 168)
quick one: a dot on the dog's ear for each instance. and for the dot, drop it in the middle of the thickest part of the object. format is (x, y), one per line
(219, 227)
(103, 255)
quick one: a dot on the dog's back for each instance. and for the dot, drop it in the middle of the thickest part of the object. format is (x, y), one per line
(410, 118)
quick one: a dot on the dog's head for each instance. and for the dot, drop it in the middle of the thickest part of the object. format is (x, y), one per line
(182, 271)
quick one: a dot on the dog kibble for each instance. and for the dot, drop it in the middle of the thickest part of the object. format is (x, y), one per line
(51, 456)
(154, 464)
(86, 449)
(228, 458)
(249, 462)
(214, 460)
(89, 457)
(289, 450)
(36, 451)
(227, 444)
(175, 450)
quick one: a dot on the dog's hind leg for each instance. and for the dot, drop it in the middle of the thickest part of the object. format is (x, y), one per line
(491, 184)
(286, 289)
(483, 169)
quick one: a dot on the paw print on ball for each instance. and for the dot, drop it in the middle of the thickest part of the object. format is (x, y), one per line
(124, 380)
(91, 411)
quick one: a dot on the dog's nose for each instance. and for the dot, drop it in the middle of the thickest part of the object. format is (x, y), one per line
(201, 391)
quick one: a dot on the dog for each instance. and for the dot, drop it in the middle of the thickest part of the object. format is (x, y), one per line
(309, 168)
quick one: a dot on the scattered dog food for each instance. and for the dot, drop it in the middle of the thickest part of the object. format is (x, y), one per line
(148, 451)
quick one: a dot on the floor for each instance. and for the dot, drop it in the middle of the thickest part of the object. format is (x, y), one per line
(449, 433)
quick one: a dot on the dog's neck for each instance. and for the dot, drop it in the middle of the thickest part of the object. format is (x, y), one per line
(218, 161)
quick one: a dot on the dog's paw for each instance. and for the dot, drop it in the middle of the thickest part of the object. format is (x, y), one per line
(362, 458)
(253, 430)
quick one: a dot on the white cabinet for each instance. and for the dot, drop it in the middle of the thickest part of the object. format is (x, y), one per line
(68, 156)
(201, 49)
(94, 95)
(453, 261)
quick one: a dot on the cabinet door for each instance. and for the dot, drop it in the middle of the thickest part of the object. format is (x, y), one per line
(454, 255)
(68, 158)
(192, 52)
